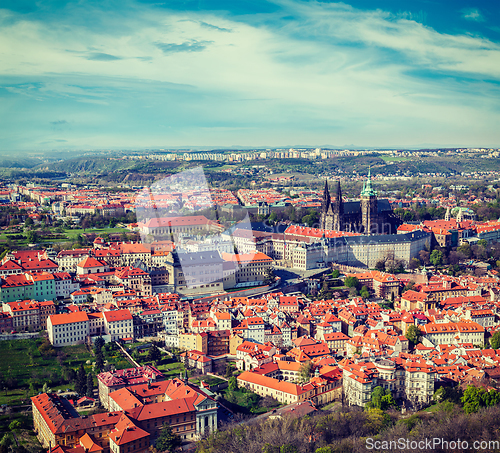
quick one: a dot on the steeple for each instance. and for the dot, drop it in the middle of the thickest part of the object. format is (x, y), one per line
(447, 216)
(338, 195)
(339, 204)
(367, 186)
(326, 198)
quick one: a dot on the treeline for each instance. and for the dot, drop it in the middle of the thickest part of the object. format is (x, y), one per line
(355, 430)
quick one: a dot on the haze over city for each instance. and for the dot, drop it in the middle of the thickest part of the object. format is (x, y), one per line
(142, 74)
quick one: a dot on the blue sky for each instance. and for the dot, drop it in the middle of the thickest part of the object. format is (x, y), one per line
(152, 74)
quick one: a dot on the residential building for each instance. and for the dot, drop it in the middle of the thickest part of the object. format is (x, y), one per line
(68, 329)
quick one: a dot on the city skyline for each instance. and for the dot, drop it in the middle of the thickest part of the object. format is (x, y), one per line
(80, 75)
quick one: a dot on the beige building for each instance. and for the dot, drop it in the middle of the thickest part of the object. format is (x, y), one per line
(410, 380)
(318, 389)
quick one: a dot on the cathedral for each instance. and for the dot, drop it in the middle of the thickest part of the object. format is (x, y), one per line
(369, 215)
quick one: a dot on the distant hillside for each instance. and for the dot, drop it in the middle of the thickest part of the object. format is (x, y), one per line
(18, 162)
(86, 165)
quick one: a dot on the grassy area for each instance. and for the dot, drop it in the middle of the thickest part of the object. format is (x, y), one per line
(73, 234)
(331, 406)
(24, 436)
(247, 402)
(210, 380)
(24, 369)
(171, 370)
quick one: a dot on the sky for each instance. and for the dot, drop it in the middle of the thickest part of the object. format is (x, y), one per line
(136, 74)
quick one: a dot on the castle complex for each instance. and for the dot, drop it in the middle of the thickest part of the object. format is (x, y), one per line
(369, 215)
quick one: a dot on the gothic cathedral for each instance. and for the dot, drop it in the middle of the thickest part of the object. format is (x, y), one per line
(369, 215)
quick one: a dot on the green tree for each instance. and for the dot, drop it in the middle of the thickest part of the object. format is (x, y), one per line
(99, 360)
(233, 383)
(364, 293)
(154, 354)
(495, 340)
(29, 222)
(413, 334)
(414, 264)
(15, 425)
(376, 397)
(388, 400)
(465, 250)
(351, 282)
(269, 276)
(335, 273)
(32, 237)
(167, 441)
(482, 243)
(288, 448)
(472, 399)
(81, 381)
(436, 257)
(305, 371)
(90, 385)
(98, 344)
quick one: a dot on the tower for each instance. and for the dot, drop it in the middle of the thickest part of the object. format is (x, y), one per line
(447, 216)
(338, 210)
(369, 207)
(327, 215)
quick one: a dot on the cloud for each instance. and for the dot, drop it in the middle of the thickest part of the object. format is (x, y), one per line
(312, 72)
(214, 27)
(188, 46)
(58, 122)
(472, 14)
(99, 56)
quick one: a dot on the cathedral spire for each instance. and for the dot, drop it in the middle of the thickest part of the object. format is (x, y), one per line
(326, 198)
(338, 195)
(367, 186)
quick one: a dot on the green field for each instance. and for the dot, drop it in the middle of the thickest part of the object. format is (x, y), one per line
(172, 370)
(73, 234)
(24, 369)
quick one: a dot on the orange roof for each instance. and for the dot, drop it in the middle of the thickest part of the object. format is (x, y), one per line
(125, 432)
(117, 315)
(68, 318)
(90, 262)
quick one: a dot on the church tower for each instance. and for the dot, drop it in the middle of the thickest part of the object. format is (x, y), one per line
(326, 219)
(369, 207)
(338, 210)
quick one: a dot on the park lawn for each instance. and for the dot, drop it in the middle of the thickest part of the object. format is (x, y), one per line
(172, 370)
(22, 363)
(73, 234)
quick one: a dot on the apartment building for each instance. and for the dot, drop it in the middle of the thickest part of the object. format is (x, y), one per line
(68, 328)
(25, 314)
(119, 324)
(453, 332)
(410, 379)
